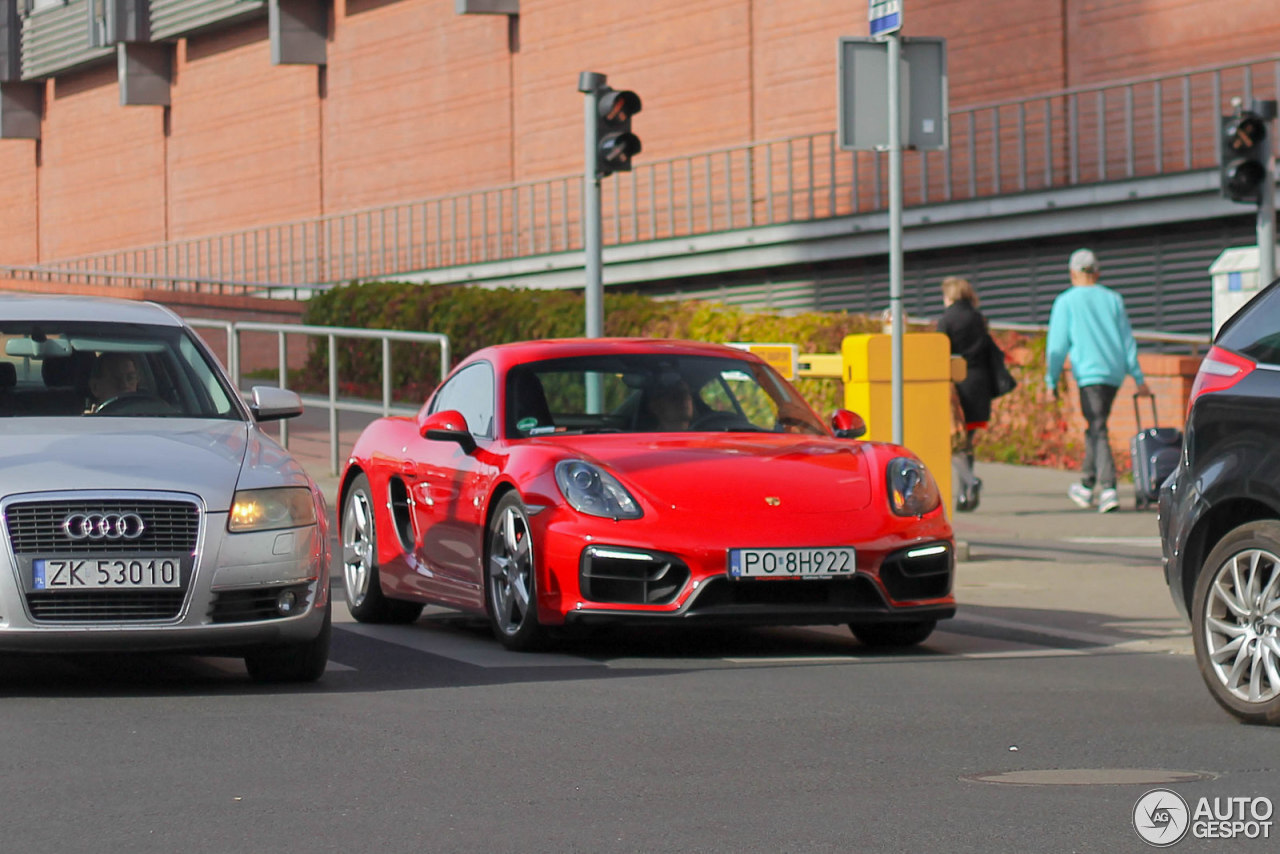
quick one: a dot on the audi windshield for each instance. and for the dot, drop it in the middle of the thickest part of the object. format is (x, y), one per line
(51, 369)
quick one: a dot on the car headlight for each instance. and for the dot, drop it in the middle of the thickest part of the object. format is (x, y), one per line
(590, 490)
(268, 509)
(912, 490)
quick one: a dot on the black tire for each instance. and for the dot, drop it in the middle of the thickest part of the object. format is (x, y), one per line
(1237, 636)
(511, 578)
(360, 580)
(898, 633)
(298, 662)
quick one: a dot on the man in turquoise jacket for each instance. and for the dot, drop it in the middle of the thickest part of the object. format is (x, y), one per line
(1088, 323)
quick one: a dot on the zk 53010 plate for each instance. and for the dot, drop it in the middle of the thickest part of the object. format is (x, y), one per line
(116, 573)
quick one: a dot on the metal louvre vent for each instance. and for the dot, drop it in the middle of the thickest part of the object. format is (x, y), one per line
(106, 606)
(170, 527)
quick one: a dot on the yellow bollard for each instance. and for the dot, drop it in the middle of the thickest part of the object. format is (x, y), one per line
(926, 395)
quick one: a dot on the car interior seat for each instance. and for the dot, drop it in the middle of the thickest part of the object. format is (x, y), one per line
(66, 381)
(8, 380)
(526, 399)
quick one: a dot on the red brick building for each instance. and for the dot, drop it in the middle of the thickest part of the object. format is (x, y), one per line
(416, 100)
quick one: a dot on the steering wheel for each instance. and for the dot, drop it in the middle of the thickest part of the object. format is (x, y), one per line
(721, 421)
(134, 402)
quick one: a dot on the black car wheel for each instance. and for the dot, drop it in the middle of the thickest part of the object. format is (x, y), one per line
(1235, 622)
(299, 662)
(365, 599)
(511, 577)
(899, 633)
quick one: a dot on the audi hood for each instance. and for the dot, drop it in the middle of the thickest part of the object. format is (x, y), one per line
(208, 458)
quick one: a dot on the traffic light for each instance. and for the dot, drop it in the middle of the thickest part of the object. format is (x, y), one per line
(615, 143)
(1245, 153)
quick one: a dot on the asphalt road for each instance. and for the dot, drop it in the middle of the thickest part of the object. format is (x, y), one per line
(1034, 721)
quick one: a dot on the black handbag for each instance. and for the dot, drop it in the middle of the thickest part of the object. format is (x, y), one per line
(1002, 382)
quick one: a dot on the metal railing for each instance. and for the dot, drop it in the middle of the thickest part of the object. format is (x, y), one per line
(1194, 343)
(79, 274)
(1134, 128)
(330, 402)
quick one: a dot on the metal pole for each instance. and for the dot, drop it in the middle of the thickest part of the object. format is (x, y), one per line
(895, 227)
(589, 83)
(1267, 201)
(1267, 227)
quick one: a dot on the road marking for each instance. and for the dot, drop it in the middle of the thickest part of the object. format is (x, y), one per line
(1143, 542)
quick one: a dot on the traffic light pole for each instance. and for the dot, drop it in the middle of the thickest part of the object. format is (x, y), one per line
(590, 83)
(1267, 226)
(895, 228)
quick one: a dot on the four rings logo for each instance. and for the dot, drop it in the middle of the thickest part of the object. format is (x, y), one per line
(103, 526)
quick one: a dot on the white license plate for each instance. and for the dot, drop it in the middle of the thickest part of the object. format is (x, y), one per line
(791, 563)
(118, 573)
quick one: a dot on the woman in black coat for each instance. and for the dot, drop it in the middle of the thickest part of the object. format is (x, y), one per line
(967, 329)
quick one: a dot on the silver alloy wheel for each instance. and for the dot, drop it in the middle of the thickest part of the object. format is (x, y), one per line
(1242, 625)
(357, 547)
(510, 570)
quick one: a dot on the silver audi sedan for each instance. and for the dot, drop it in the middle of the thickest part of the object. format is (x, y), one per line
(143, 509)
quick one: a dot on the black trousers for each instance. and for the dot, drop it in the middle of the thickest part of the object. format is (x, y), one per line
(1099, 465)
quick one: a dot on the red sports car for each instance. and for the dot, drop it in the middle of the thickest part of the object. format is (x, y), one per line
(586, 481)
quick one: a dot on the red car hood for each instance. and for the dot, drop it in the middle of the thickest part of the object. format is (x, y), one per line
(737, 474)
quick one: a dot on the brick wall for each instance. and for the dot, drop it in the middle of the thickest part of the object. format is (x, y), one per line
(416, 100)
(102, 168)
(243, 145)
(18, 212)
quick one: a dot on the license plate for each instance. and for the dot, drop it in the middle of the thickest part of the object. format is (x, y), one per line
(791, 563)
(119, 573)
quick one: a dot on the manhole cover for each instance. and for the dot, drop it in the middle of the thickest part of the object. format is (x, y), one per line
(1090, 777)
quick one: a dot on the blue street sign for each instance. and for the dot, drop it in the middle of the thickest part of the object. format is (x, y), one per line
(885, 16)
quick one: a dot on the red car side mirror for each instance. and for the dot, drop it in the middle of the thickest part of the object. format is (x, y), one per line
(847, 425)
(447, 426)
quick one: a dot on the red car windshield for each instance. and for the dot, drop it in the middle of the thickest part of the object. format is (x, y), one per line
(652, 393)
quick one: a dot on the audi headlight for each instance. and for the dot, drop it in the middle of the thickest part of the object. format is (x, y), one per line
(268, 509)
(912, 490)
(590, 490)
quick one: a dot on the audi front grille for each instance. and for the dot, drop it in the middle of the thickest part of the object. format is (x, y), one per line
(106, 606)
(37, 528)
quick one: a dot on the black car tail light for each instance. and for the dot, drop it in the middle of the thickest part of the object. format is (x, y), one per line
(1220, 370)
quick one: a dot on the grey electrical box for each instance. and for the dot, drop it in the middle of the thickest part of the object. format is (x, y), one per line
(144, 72)
(487, 7)
(863, 83)
(299, 31)
(20, 108)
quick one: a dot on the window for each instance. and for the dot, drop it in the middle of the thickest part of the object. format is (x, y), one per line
(470, 392)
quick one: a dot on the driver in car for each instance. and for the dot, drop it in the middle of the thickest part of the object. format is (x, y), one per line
(669, 406)
(114, 374)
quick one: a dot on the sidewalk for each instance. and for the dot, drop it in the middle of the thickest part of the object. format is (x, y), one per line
(1034, 556)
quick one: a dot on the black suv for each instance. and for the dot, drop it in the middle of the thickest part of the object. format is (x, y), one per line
(1220, 514)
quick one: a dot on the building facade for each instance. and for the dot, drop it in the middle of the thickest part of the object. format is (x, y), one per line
(262, 141)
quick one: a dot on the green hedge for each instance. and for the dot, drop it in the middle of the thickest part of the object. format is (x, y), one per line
(475, 317)
(1024, 428)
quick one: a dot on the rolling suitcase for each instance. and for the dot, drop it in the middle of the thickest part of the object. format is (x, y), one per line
(1155, 452)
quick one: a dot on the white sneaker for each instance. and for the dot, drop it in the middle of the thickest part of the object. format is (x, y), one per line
(1081, 495)
(1108, 501)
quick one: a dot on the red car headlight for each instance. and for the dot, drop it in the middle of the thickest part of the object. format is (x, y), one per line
(591, 490)
(912, 490)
